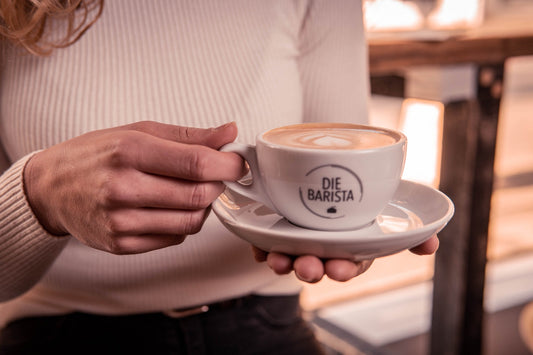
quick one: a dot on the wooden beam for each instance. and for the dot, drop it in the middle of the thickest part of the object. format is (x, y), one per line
(393, 56)
(467, 164)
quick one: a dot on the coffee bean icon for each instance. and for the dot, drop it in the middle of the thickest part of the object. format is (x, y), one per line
(332, 209)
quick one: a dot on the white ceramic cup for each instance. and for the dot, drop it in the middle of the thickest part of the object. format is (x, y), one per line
(324, 176)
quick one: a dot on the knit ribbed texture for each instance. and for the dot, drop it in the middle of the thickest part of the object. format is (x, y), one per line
(196, 63)
(21, 237)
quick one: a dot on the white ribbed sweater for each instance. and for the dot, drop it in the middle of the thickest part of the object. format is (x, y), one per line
(187, 62)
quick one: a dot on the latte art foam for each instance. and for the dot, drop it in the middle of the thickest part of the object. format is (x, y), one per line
(328, 138)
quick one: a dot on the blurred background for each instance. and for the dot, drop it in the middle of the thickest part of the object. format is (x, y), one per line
(389, 309)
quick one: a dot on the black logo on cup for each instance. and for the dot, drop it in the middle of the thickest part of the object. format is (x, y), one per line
(331, 190)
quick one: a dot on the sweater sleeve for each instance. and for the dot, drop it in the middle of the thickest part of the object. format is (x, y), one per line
(26, 249)
(333, 62)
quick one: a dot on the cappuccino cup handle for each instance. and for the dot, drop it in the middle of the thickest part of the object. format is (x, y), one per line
(255, 190)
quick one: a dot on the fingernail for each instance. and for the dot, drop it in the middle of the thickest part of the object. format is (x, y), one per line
(308, 278)
(225, 125)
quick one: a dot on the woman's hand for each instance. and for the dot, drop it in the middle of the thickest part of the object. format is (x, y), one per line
(312, 269)
(133, 188)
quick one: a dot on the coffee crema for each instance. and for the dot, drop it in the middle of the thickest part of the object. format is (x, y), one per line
(328, 138)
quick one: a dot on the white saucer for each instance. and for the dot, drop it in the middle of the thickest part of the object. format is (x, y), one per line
(415, 213)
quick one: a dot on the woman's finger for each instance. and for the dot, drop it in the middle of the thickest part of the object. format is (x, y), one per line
(344, 270)
(429, 247)
(140, 221)
(134, 244)
(163, 157)
(309, 268)
(138, 189)
(259, 255)
(210, 137)
(280, 263)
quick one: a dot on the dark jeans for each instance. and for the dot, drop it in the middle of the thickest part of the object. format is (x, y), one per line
(253, 325)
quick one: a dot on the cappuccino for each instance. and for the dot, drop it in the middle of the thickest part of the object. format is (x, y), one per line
(324, 176)
(329, 137)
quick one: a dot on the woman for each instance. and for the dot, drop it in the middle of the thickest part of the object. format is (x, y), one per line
(105, 233)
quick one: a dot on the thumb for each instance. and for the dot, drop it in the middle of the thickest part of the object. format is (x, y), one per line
(211, 137)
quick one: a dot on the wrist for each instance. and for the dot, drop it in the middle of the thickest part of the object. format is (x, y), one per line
(37, 193)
